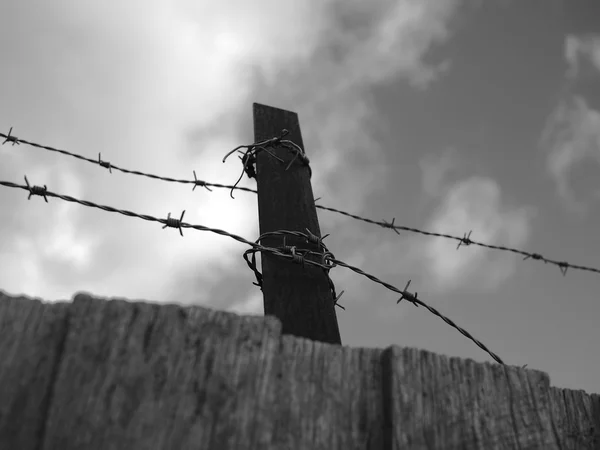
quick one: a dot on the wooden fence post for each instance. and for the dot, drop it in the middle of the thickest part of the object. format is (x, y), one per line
(300, 297)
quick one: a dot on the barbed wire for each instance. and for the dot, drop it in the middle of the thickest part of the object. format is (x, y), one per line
(249, 159)
(466, 240)
(252, 150)
(109, 166)
(288, 252)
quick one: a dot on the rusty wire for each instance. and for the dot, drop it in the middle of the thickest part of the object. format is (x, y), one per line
(252, 150)
(249, 159)
(297, 255)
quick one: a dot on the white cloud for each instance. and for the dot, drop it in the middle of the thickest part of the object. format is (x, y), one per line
(435, 169)
(55, 241)
(130, 79)
(252, 305)
(577, 47)
(473, 204)
(571, 136)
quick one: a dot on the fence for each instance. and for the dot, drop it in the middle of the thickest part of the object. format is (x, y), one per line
(100, 374)
(115, 374)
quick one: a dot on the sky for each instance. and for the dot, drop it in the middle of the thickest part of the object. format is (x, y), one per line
(448, 115)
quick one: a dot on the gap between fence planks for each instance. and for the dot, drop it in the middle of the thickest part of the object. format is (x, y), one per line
(100, 374)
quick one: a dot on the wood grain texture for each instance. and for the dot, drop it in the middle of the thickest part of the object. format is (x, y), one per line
(576, 418)
(31, 339)
(300, 297)
(114, 374)
(141, 376)
(330, 397)
(438, 402)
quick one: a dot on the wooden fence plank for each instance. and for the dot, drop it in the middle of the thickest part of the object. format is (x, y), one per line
(577, 418)
(99, 374)
(31, 336)
(139, 375)
(330, 398)
(436, 402)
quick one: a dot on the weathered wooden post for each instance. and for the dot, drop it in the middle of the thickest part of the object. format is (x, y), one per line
(298, 296)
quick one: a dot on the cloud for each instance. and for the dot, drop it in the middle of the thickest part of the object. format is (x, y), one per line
(473, 204)
(252, 305)
(131, 81)
(579, 47)
(571, 137)
(435, 168)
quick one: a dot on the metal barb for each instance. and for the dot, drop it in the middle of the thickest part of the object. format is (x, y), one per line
(563, 266)
(466, 240)
(36, 190)
(174, 223)
(198, 182)
(314, 239)
(535, 256)
(13, 139)
(254, 148)
(327, 256)
(408, 296)
(337, 299)
(390, 225)
(104, 164)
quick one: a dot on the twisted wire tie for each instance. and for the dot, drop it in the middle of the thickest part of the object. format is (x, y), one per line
(36, 190)
(327, 260)
(276, 140)
(298, 153)
(174, 223)
(249, 157)
(260, 145)
(296, 258)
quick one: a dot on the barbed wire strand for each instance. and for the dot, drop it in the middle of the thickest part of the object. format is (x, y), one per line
(328, 262)
(466, 240)
(249, 158)
(109, 166)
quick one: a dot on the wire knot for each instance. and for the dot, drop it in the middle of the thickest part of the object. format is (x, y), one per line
(296, 258)
(104, 164)
(466, 240)
(298, 154)
(277, 140)
(327, 260)
(174, 223)
(198, 182)
(13, 139)
(36, 190)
